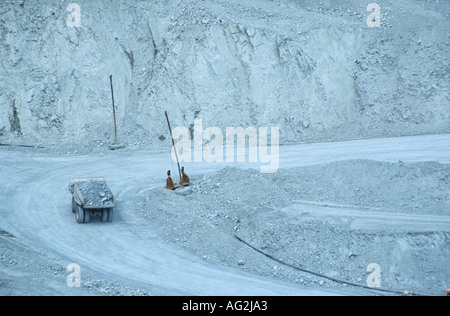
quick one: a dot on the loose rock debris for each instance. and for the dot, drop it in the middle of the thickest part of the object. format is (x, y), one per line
(96, 194)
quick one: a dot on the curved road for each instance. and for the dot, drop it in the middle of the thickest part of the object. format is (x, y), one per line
(35, 207)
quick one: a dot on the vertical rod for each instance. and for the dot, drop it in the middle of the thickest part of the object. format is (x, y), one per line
(114, 111)
(175, 149)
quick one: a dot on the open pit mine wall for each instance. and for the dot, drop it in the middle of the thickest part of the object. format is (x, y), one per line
(317, 71)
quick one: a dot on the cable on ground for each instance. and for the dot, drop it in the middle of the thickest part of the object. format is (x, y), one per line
(325, 276)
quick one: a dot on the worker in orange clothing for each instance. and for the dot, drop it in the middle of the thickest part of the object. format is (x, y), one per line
(186, 180)
(169, 183)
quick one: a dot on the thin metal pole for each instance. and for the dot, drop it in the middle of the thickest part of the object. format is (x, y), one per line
(175, 149)
(114, 111)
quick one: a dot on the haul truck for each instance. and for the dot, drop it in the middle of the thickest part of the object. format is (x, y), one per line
(91, 197)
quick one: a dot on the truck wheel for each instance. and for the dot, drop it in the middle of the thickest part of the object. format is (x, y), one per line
(105, 215)
(79, 215)
(87, 216)
(74, 206)
(110, 215)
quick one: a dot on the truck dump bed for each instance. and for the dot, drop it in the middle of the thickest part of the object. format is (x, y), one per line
(92, 193)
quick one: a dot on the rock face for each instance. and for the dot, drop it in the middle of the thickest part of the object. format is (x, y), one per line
(314, 69)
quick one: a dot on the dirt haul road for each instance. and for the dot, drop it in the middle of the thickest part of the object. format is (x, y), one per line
(39, 236)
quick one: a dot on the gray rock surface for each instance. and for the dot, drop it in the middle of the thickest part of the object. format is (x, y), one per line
(334, 219)
(313, 68)
(96, 195)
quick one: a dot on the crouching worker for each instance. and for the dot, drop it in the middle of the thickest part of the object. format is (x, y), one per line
(169, 183)
(186, 180)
